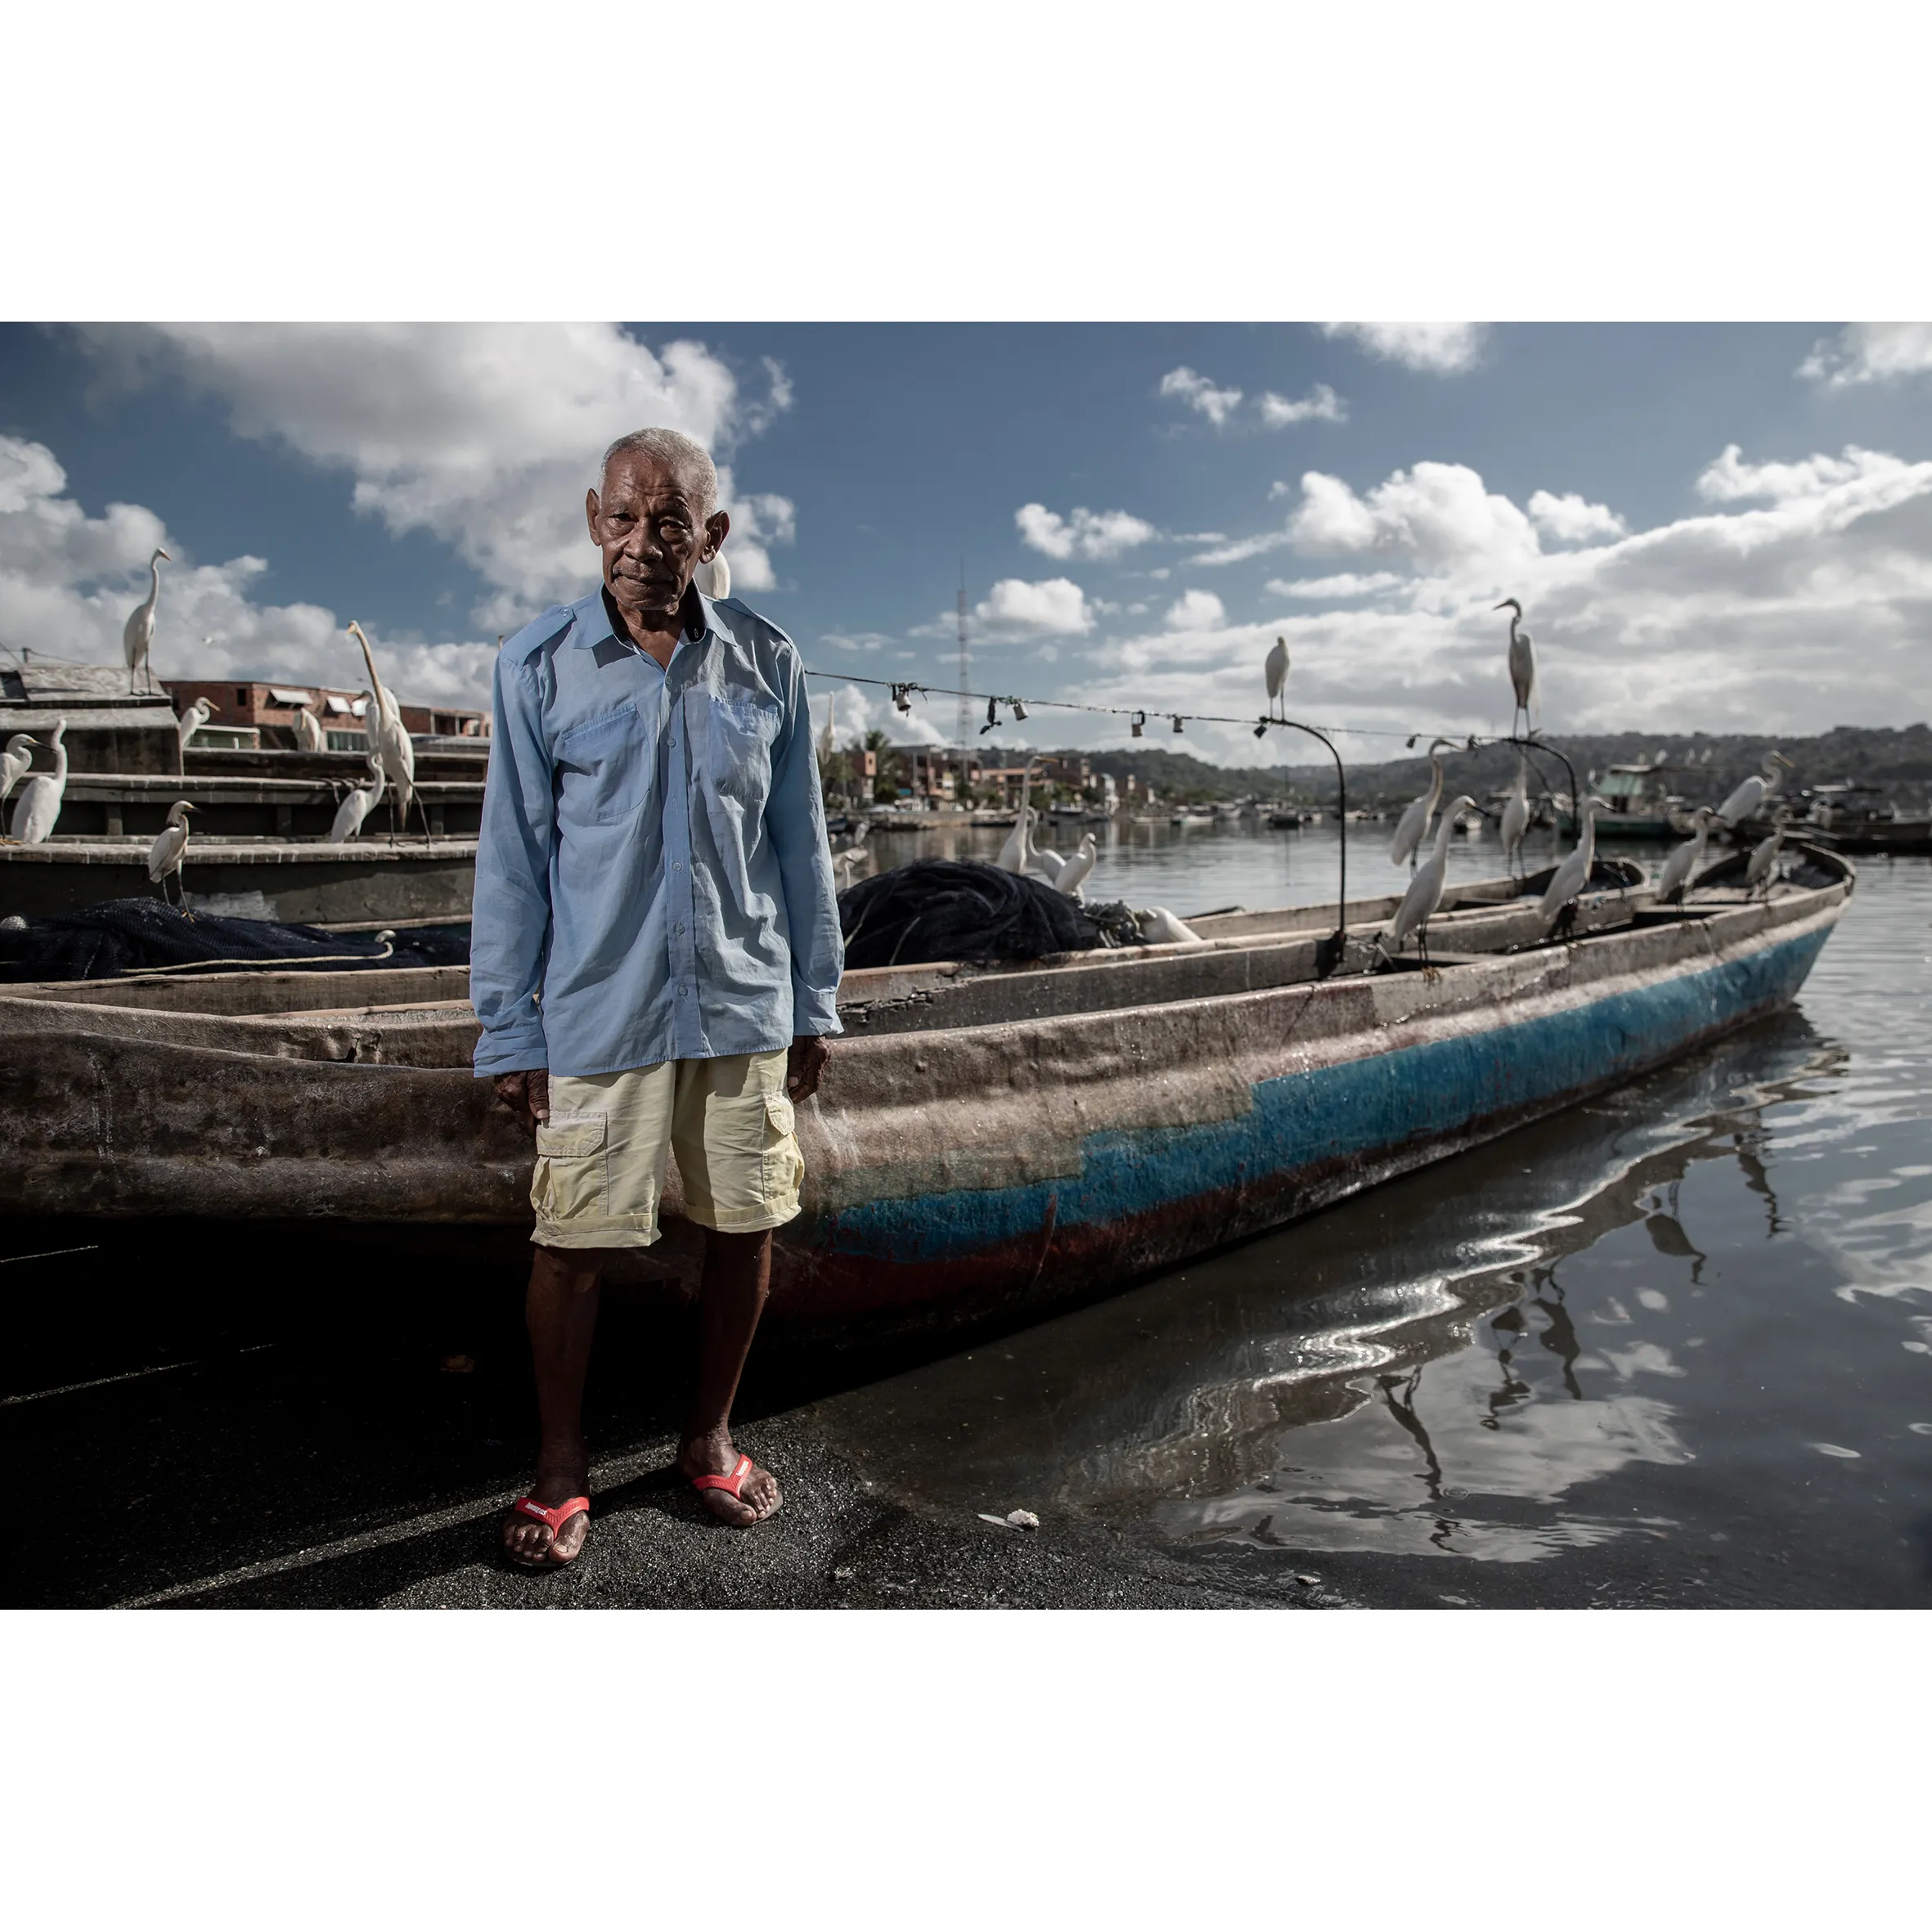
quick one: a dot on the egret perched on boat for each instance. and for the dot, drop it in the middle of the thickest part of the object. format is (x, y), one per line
(1073, 873)
(1682, 866)
(1573, 875)
(1414, 827)
(192, 720)
(1042, 860)
(1522, 663)
(1748, 800)
(309, 735)
(39, 802)
(388, 737)
(846, 863)
(358, 805)
(1159, 926)
(138, 633)
(1012, 854)
(1277, 669)
(165, 855)
(1516, 812)
(15, 763)
(1424, 896)
(1763, 869)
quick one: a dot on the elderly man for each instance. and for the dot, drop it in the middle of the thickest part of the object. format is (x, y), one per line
(656, 955)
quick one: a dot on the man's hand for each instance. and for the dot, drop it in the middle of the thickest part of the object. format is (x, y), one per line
(803, 1065)
(528, 1096)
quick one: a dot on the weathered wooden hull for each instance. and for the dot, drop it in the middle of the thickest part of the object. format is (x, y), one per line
(982, 1146)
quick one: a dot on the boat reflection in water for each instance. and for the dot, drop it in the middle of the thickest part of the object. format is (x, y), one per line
(1329, 1388)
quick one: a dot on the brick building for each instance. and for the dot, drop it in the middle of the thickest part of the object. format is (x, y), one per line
(270, 709)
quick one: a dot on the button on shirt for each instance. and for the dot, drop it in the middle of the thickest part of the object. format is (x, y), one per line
(653, 880)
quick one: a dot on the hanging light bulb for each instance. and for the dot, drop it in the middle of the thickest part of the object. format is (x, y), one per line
(1136, 721)
(901, 702)
(1019, 710)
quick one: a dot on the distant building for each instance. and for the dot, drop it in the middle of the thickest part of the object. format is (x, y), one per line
(270, 710)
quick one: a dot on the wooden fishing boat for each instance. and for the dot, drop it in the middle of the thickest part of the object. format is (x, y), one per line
(987, 1143)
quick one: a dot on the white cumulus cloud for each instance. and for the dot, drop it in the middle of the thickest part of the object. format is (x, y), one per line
(1438, 348)
(1438, 517)
(1870, 352)
(1320, 405)
(1730, 480)
(1334, 589)
(1056, 607)
(483, 434)
(1569, 520)
(1195, 610)
(1085, 534)
(1216, 404)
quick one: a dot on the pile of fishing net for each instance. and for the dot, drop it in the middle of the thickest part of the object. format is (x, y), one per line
(126, 935)
(959, 908)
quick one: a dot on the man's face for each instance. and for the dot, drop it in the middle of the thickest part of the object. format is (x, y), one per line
(646, 522)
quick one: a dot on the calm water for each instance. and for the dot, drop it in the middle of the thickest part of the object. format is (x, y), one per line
(1673, 1346)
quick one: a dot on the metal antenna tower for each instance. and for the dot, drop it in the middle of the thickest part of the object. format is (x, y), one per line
(964, 725)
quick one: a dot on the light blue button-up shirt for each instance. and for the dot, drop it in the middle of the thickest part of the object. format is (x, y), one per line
(652, 878)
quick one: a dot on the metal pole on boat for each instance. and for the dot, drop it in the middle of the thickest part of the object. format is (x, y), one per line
(1328, 952)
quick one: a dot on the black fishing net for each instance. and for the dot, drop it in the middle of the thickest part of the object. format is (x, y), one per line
(959, 909)
(127, 935)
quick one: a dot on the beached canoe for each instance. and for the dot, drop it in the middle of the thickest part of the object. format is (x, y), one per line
(987, 1142)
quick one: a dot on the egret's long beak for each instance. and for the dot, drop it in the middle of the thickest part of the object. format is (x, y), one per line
(163, 556)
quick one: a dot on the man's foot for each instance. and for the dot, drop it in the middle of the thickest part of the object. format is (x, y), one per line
(533, 1545)
(715, 1454)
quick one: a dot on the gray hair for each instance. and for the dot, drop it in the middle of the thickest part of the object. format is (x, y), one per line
(678, 452)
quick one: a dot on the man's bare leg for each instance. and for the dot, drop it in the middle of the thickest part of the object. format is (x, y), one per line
(561, 1309)
(737, 1279)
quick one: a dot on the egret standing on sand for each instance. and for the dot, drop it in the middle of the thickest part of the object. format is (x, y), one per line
(1420, 902)
(139, 631)
(1414, 827)
(15, 763)
(358, 805)
(388, 739)
(1516, 812)
(192, 720)
(165, 855)
(1278, 677)
(1522, 664)
(1573, 875)
(1749, 797)
(1763, 868)
(1681, 865)
(39, 804)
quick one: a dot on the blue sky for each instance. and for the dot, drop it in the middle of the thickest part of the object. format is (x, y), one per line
(1710, 526)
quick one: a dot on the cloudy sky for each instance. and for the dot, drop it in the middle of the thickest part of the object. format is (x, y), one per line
(1710, 526)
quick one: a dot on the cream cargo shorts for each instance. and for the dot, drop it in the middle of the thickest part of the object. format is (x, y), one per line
(600, 1155)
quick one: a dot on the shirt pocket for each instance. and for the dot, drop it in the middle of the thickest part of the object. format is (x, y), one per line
(604, 769)
(742, 734)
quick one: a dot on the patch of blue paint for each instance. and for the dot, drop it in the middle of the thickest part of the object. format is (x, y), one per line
(1357, 1108)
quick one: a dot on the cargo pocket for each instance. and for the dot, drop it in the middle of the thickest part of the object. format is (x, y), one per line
(784, 1164)
(570, 1178)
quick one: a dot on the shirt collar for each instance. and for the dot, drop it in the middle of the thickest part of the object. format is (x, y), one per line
(594, 625)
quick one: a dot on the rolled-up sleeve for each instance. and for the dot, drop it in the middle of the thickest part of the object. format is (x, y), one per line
(510, 917)
(795, 815)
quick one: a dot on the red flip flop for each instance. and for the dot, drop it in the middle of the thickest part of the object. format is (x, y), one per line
(554, 1521)
(731, 1485)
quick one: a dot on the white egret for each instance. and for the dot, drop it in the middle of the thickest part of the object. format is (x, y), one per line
(1159, 926)
(358, 805)
(39, 802)
(192, 720)
(1522, 664)
(165, 855)
(1516, 812)
(1072, 875)
(1682, 866)
(1420, 902)
(1413, 826)
(15, 763)
(1748, 799)
(309, 735)
(138, 633)
(846, 863)
(1573, 875)
(1763, 866)
(389, 740)
(1278, 674)
(714, 578)
(1012, 854)
(1042, 860)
